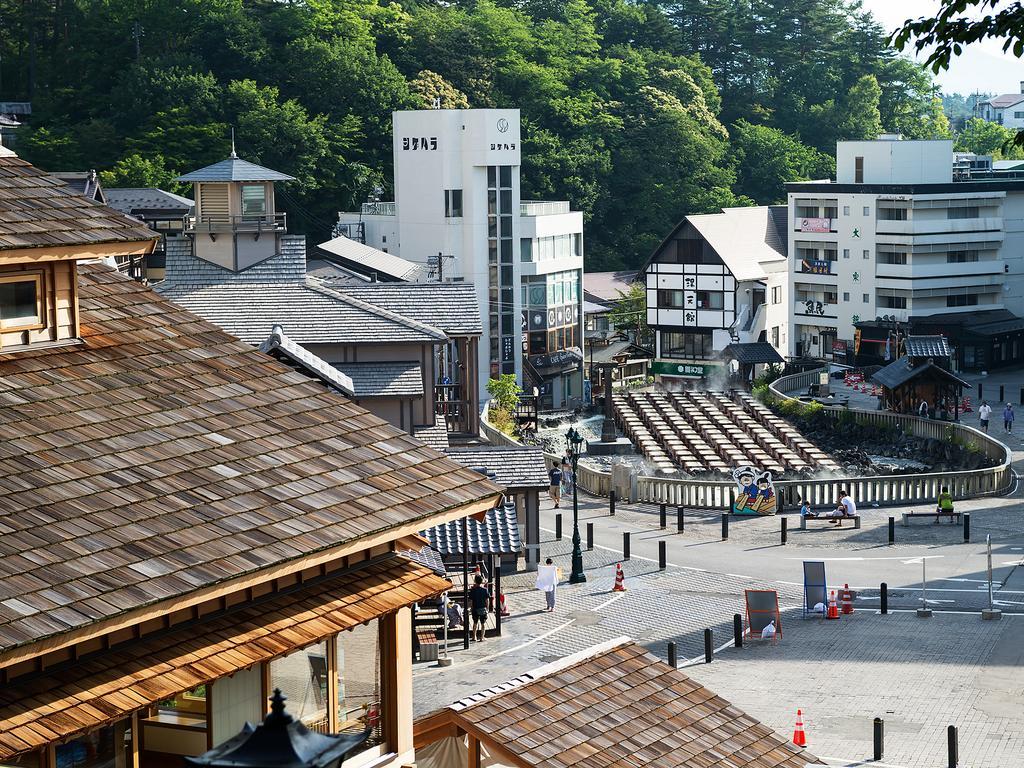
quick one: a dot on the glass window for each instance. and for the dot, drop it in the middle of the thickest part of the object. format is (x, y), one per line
(506, 200)
(710, 299)
(846, 253)
(506, 176)
(846, 296)
(776, 294)
(525, 249)
(492, 202)
(20, 301)
(963, 213)
(686, 345)
(102, 748)
(867, 254)
(892, 214)
(963, 300)
(960, 257)
(453, 203)
(858, 170)
(867, 210)
(188, 703)
(492, 226)
(506, 250)
(506, 226)
(358, 663)
(670, 299)
(577, 244)
(538, 296)
(254, 200)
(302, 677)
(491, 182)
(867, 298)
(846, 210)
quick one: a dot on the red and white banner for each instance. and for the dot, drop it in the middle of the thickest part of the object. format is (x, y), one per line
(815, 225)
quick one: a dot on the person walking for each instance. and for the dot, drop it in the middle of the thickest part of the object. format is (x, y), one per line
(944, 505)
(984, 414)
(555, 487)
(547, 580)
(1008, 418)
(479, 597)
(567, 478)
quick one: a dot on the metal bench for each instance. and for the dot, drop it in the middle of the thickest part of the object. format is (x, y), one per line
(954, 516)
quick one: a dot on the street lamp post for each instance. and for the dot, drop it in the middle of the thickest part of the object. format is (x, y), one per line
(574, 443)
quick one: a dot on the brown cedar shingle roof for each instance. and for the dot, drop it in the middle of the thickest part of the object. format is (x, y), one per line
(39, 210)
(70, 701)
(163, 455)
(620, 706)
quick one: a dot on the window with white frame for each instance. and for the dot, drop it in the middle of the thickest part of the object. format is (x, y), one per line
(21, 299)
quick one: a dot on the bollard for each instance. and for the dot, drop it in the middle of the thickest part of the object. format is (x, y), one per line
(737, 630)
(884, 598)
(952, 746)
(892, 530)
(625, 545)
(725, 526)
(590, 536)
(879, 738)
(783, 529)
(662, 555)
(680, 522)
(979, 391)
(709, 646)
(558, 526)
(611, 503)
(672, 654)
(1001, 400)
(967, 526)
(663, 516)
(1022, 396)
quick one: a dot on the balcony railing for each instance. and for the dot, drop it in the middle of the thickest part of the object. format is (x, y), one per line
(543, 207)
(379, 209)
(213, 223)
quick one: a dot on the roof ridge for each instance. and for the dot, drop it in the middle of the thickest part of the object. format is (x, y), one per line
(572, 660)
(318, 285)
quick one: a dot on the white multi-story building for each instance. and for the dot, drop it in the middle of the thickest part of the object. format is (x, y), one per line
(1006, 109)
(898, 243)
(717, 280)
(458, 208)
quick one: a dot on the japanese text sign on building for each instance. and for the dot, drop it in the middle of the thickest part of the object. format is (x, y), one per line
(499, 146)
(419, 142)
(815, 266)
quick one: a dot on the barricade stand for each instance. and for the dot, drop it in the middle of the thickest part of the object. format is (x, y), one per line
(762, 610)
(815, 587)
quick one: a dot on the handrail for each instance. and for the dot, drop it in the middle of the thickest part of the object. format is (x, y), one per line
(269, 222)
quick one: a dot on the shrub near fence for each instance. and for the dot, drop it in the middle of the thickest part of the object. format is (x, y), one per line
(888, 490)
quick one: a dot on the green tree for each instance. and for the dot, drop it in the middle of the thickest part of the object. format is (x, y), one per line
(629, 313)
(766, 158)
(430, 89)
(985, 138)
(134, 170)
(862, 119)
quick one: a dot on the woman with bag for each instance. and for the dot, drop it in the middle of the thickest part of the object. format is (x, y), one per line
(547, 580)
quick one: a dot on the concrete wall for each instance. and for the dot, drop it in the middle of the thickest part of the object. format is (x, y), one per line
(896, 162)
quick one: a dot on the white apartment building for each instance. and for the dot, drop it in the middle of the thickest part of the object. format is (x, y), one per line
(458, 209)
(899, 244)
(1006, 109)
(717, 280)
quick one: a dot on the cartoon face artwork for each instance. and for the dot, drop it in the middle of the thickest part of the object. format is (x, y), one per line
(755, 494)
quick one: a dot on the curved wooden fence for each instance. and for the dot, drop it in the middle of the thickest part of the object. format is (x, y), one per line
(888, 490)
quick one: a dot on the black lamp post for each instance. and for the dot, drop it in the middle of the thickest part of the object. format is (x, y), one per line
(280, 742)
(573, 444)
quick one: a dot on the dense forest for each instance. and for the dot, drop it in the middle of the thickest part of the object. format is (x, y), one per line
(638, 111)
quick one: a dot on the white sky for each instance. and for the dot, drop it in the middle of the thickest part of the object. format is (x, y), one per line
(982, 66)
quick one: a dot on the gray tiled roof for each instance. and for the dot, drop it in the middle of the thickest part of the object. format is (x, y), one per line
(427, 556)
(452, 307)
(384, 379)
(128, 199)
(368, 260)
(277, 292)
(752, 353)
(514, 468)
(497, 534)
(235, 169)
(282, 348)
(900, 371)
(434, 435)
(928, 346)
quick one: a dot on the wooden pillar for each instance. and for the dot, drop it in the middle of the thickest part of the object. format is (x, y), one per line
(474, 752)
(396, 680)
(465, 583)
(136, 749)
(531, 519)
(332, 683)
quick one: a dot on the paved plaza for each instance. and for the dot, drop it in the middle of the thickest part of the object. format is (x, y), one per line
(920, 675)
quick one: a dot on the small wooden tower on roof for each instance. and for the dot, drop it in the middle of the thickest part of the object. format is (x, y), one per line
(235, 224)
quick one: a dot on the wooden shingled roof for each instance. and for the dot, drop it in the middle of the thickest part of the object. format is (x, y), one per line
(39, 210)
(65, 702)
(162, 456)
(613, 706)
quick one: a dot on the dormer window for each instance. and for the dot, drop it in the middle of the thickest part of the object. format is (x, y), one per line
(254, 200)
(21, 302)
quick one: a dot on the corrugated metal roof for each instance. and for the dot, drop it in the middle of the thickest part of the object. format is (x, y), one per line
(384, 379)
(370, 260)
(497, 534)
(235, 169)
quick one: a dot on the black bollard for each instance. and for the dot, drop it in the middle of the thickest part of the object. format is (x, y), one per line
(1001, 393)
(611, 503)
(967, 526)
(558, 526)
(663, 516)
(725, 526)
(892, 530)
(672, 654)
(782, 531)
(625, 545)
(952, 746)
(662, 555)
(879, 738)
(680, 522)
(709, 646)
(590, 535)
(1022, 395)
(884, 598)
(979, 391)
(737, 630)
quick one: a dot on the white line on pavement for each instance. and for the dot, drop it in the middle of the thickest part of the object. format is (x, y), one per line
(903, 558)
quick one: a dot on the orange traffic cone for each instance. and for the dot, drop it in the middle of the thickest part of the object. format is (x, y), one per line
(847, 599)
(504, 606)
(833, 609)
(799, 737)
(620, 579)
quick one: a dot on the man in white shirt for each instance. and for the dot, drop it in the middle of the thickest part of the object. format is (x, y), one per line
(845, 508)
(984, 414)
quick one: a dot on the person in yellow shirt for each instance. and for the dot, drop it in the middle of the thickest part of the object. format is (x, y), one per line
(944, 505)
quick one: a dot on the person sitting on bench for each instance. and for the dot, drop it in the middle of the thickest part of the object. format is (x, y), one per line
(845, 508)
(805, 509)
(944, 505)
